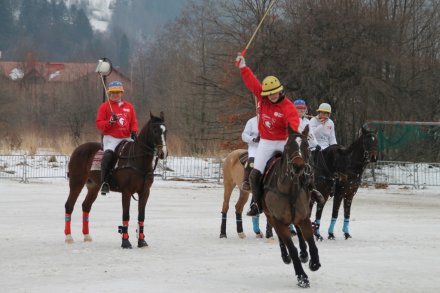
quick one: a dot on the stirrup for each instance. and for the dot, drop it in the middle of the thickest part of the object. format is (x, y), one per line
(105, 188)
(253, 210)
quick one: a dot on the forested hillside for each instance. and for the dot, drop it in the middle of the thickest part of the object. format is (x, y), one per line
(368, 59)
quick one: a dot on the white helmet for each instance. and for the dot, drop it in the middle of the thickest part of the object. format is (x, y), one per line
(324, 107)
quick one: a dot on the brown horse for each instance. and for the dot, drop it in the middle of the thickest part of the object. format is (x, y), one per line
(287, 200)
(133, 174)
(349, 164)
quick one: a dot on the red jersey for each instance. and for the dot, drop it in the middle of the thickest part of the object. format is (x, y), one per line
(126, 123)
(273, 117)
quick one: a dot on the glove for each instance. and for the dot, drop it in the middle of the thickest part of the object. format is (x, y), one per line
(256, 139)
(240, 62)
(134, 136)
(113, 119)
(318, 148)
(323, 120)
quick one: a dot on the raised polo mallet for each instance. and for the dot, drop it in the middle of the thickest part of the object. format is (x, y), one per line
(104, 68)
(258, 27)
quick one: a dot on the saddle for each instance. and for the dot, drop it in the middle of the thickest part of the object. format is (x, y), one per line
(270, 164)
(97, 159)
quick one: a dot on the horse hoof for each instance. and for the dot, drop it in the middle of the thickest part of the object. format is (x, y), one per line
(303, 281)
(331, 236)
(223, 235)
(270, 240)
(142, 243)
(347, 235)
(286, 259)
(314, 266)
(304, 257)
(126, 244)
(88, 238)
(242, 235)
(69, 239)
(259, 235)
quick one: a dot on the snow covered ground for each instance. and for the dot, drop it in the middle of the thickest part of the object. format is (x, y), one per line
(395, 245)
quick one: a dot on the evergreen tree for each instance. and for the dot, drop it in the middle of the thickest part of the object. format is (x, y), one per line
(6, 24)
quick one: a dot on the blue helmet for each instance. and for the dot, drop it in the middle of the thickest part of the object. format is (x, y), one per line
(115, 86)
(300, 104)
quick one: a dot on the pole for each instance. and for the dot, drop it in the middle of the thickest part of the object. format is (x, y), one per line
(104, 68)
(258, 27)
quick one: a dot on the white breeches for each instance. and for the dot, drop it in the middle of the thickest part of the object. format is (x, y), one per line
(265, 150)
(110, 143)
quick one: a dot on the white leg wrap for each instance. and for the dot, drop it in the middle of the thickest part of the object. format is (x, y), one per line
(88, 238)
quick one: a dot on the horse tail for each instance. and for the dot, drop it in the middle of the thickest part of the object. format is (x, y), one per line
(81, 158)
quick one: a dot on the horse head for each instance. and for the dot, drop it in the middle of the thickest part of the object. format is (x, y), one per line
(369, 144)
(296, 153)
(153, 135)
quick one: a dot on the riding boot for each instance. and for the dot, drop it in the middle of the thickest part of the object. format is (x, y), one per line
(257, 193)
(314, 193)
(247, 171)
(105, 170)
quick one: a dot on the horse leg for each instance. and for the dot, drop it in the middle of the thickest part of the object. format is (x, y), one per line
(92, 193)
(303, 254)
(125, 220)
(238, 212)
(228, 186)
(256, 226)
(336, 205)
(142, 203)
(76, 185)
(284, 253)
(306, 231)
(269, 233)
(284, 235)
(347, 208)
(317, 222)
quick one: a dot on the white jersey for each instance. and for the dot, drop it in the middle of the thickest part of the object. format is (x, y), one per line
(324, 133)
(250, 132)
(303, 122)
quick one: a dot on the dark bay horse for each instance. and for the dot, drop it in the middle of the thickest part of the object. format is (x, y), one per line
(352, 163)
(233, 173)
(287, 201)
(133, 174)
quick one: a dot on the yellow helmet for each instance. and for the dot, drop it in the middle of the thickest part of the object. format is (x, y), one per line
(271, 85)
(324, 107)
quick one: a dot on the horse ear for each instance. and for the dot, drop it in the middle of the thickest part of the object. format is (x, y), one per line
(162, 116)
(151, 115)
(289, 129)
(306, 131)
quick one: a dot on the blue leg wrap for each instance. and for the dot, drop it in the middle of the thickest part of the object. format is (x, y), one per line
(318, 223)
(292, 228)
(332, 226)
(346, 224)
(256, 224)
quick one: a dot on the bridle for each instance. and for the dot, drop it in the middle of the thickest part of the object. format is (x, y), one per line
(292, 170)
(367, 152)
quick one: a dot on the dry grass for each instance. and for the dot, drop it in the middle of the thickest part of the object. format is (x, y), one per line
(61, 142)
(31, 142)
